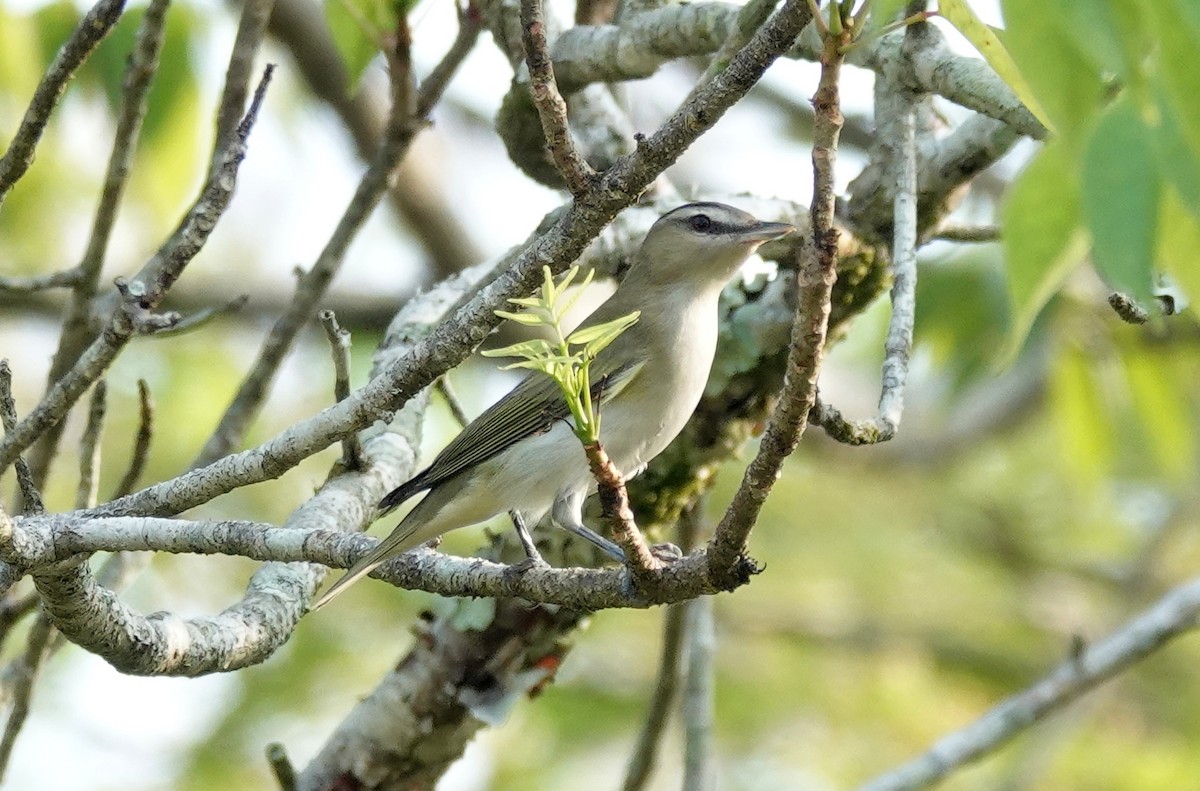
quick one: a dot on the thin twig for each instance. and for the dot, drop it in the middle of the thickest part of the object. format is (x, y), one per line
(29, 285)
(1176, 613)
(92, 29)
(89, 449)
(429, 93)
(252, 394)
(281, 766)
(141, 442)
(339, 347)
(203, 316)
(614, 505)
(551, 107)
(77, 329)
(252, 29)
(31, 497)
(898, 346)
(968, 233)
(565, 237)
(455, 406)
(12, 610)
(24, 676)
(142, 296)
(815, 277)
(666, 690)
(699, 771)
(750, 18)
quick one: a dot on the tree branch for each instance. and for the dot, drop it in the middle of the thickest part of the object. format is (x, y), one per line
(77, 330)
(140, 297)
(1174, 614)
(92, 29)
(561, 243)
(816, 275)
(578, 174)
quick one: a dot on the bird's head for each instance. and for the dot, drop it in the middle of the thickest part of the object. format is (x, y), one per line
(703, 242)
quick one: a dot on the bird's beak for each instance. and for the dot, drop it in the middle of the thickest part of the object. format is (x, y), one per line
(766, 231)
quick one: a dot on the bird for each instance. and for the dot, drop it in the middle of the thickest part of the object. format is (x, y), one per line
(521, 456)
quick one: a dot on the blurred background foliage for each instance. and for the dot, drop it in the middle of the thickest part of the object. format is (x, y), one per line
(1044, 487)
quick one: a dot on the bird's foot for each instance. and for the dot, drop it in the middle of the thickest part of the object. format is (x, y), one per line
(526, 565)
(666, 553)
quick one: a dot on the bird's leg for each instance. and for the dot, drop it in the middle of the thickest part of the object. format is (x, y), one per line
(568, 514)
(533, 558)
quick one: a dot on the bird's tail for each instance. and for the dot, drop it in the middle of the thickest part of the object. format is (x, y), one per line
(402, 539)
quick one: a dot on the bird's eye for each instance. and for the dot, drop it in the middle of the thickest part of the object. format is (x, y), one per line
(700, 222)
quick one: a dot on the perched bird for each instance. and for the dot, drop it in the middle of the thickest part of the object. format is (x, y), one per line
(521, 456)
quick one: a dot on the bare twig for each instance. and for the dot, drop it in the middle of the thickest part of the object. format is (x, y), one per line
(416, 194)
(252, 29)
(968, 233)
(898, 345)
(89, 449)
(552, 109)
(31, 497)
(20, 677)
(750, 18)
(77, 330)
(12, 610)
(430, 91)
(28, 285)
(614, 504)
(666, 690)
(252, 393)
(141, 442)
(699, 771)
(1174, 614)
(339, 346)
(281, 766)
(92, 29)
(814, 278)
(142, 296)
(203, 316)
(446, 390)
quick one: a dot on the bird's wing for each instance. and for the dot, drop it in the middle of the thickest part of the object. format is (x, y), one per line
(530, 408)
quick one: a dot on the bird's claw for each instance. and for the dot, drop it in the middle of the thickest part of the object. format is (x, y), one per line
(666, 553)
(525, 566)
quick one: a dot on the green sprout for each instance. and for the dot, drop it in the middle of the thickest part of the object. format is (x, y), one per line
(565, 358)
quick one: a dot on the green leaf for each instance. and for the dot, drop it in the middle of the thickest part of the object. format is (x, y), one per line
(1121, 193)
(530, 319)
(1042, 237)
(546, 366)
(1177, 33)
(588, 334)
(1176, 160)
(885, 12)
(358, 28)
(565, 305)
(598, 336)
(1113, 36)
(536, 347)
(1067, 84)
(959, 14)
